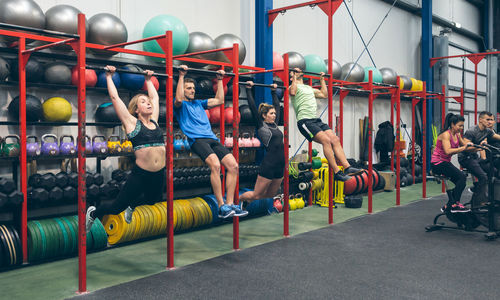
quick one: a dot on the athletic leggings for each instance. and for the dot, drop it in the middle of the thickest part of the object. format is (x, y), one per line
(457, 177)
(139, 182)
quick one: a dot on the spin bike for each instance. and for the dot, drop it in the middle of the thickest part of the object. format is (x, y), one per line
(486, 215)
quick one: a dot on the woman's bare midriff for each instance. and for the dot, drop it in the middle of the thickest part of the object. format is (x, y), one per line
(151, 159)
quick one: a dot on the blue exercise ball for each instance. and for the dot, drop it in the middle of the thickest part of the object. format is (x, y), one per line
(101, 80)
(132, 81)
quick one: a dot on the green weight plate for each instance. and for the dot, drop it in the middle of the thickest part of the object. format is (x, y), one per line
(64, 233)
(71, 236)
(43, 239)
(50, 239)
(88, 240)
(59, 235)
(101, 234)
(33, 243)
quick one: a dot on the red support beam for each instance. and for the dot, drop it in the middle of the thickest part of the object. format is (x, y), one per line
(398, 130)
(236, 151)
(424, 141)
(286, 178)
(370, 145)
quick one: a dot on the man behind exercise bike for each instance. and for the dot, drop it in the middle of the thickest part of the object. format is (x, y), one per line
(469, 159)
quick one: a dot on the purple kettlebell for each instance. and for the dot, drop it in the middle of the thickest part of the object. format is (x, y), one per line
(99, 147)
(67, 148)
(49, 148)
(32, 148)
(88, 145)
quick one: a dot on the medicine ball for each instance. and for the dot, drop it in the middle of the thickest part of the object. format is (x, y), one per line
(204, 87)
(155, 82)
(4, 69)
(57, 109)
(106, 113)
(163, 85)
(34, 70)
(34, 111)
(101, 80)
(57, 73)
(132, 81)
(90, 77)
(353, 201)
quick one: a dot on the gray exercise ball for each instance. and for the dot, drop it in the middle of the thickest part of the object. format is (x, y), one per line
(227, 40)
(63, 18)
(352, 72)
(296, 60)
(407, 84)
(21, 12)
(57, 73)
(4, 69)
(336, 68)
(199, 41)
(389, 76)
(106, 29)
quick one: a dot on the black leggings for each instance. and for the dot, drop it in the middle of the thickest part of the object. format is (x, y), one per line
(139, 182)
(457, 177)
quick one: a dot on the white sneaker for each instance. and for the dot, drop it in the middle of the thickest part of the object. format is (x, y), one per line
(88, 218)
(128, 214)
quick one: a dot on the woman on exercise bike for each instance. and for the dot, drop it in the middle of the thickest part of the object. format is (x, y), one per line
(449, 142)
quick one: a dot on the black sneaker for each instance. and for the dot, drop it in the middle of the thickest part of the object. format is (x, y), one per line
(353, 171)
(444, 208)
(459, 208)
(340, 176)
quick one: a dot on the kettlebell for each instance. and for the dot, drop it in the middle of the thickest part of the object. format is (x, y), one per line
(49, 148)
(255, 142)
(299, 200)
(278, 205)
(246, 142)
(33, 148)
(88, 145)
(127, 146)
(67, 148)
(178, 143)
(114, 146)
(186, 144)
(99, 147)
(228, 142)
(292, 203)
(10, 149)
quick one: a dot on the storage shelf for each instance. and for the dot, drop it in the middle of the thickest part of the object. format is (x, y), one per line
(56, 157)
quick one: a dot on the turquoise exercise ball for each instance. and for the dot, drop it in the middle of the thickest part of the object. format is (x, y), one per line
(158, 26)
(315, 64)
(376, 75)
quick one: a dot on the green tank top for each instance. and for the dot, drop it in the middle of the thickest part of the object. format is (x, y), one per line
(304, 102)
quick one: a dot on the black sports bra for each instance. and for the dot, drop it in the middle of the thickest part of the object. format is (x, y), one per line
(143, 137)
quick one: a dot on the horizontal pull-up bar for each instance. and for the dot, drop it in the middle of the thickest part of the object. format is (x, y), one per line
(262, 85)
(202, 52)
(50, 45)
(203, 71)
(261, 71)
(98, 68)
(311, 73)
(38, 30)
(157, 37)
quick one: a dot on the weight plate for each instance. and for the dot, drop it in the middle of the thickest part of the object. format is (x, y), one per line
(99, 235)
(43, 239)
(142, 226)
(71, 236)
(17, 241)
(34, 246)
(7, 259)
(163, 211)
(65, 235)
(49, 237)
(149, 220)
(113, 224)
(10, 246)
(158, 219)
(15, 246)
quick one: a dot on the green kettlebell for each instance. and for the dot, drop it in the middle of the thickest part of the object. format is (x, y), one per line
(10, 149)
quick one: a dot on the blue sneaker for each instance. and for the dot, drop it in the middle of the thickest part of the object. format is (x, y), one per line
(238, 211)
(226, 211)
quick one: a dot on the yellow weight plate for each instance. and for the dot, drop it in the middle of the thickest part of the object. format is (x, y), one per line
(143, 226)
(163, 218)
(200, 211)
(181, 218)
(186, 205)
(154, 220)
(135, 226)
(159, 219)
(113, 224)
(177, 217)
(186, 215)
(149, 220)
(208, 210)
(144, 221)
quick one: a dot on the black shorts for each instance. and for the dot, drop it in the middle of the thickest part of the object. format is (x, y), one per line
(272, 167)
(310, 127)
(204, 147)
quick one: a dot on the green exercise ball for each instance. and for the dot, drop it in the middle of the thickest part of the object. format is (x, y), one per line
(158, 26)
(315, 64)
(376, 75)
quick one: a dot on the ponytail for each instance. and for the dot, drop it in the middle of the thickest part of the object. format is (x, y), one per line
(451, 119)
(264, 108)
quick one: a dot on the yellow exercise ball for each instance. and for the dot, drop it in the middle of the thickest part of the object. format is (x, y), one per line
(57, 109)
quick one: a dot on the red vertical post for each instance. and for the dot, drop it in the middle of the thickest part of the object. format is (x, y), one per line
(169, 150)
(413, 103)
(475, 93)
(236, 151)
(222, 131)
(286, 179)
(393, 100)
(22, 61)
(424, 141)
(342, 95)
(330, 107)
(309, 202)
(398, 128)
(370, 146)
(82, 191)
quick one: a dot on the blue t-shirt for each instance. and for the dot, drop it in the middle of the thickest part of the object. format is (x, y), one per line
(193, 120)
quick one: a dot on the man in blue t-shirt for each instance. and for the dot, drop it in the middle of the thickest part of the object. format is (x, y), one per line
(194, 123)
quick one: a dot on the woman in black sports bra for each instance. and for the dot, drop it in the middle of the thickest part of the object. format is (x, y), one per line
(273, 165)
(147, 178)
